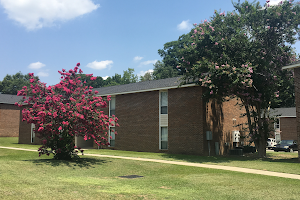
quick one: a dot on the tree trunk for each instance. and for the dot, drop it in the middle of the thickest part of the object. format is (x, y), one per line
(262, 153)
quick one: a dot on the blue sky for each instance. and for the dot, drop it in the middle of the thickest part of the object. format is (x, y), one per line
(105, 36)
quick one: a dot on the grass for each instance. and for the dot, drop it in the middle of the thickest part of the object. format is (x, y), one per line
(24, 175)
(276, 161)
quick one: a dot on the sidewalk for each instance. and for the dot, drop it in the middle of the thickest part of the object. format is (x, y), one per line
(235, 169)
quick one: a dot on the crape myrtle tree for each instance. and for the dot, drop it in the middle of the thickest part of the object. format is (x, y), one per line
(241, 54)
(63, 111)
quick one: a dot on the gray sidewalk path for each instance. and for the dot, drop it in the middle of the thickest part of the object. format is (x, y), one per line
(229, 168)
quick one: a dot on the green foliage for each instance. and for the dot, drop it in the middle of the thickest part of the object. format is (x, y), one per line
(171, 57)
(253, 39)
(117, 79)
(11, 84)
(129, 77)
(162, 71)
(148, 76)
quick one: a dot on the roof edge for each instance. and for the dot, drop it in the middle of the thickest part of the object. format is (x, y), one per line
(291, 66)
(149, 90)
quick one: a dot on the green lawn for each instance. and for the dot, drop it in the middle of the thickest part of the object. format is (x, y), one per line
(276, 161)
(24, 175)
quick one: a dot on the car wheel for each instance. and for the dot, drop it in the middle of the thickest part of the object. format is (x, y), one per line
(291, 150)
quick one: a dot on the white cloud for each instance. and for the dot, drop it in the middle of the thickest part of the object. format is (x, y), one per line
(137, 58)
(37, 65)
(42, 74)
(142, 73)
(35, 14)
(100, 65)
(148, 62)
(105, 77)
(184, 26)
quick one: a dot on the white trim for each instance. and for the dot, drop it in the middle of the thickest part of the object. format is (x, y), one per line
(109, 134)
(285, 116)
(160, 137)
(291, 66)
(9, 103)
(149, 90)
(32, 135)
(162, 116)
(109, 131)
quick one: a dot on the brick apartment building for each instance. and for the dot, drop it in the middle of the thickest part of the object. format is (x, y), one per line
(159, 116)
(296, 67)
(9, 115)
(285, 124)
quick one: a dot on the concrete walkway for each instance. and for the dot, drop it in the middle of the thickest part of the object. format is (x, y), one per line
(235, 169)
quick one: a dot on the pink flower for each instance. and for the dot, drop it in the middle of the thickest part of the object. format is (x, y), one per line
(78, 64)
(60, 128)
(93, 78)
(31, 80)
(216, 43)
(211, 92)
(217, 67)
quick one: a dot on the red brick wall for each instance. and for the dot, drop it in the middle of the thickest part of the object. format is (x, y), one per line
(138, 120)
(185, 120)
(25, 133)
(288, 128)
(220, 120)
(188, 120)
(297, 97)
(9, 120)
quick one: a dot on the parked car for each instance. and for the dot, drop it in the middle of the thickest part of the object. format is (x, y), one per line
(271, 142)
(286, 145)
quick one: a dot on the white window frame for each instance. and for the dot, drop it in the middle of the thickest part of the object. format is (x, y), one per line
(160, 139)
(32, 133)
(109, 107)
(163, 119)
(160, 92)
(277, 125)
(110, 127)
(110, 134)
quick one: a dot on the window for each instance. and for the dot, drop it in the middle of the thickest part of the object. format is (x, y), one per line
(164, 138)
(276, 124)
(32, 132)
(164, 103)
(112, 106)
(112, 136)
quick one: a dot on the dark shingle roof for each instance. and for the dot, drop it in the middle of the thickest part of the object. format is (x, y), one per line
(9, 99)
(284, 112)
(140, 86)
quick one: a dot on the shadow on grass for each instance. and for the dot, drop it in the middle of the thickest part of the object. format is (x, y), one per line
(228, 159)
(75, 163)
